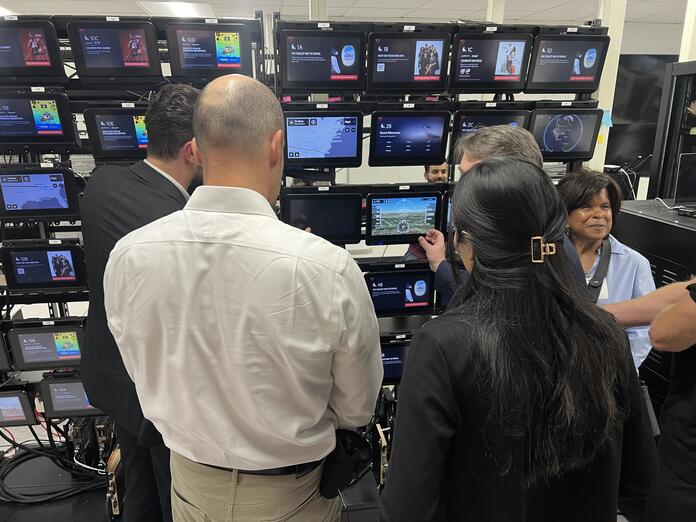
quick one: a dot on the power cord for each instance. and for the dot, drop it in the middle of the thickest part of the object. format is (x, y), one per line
(667, 206)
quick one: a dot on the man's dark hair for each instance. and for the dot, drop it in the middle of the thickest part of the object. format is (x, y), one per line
(581, 186)
(169, 120)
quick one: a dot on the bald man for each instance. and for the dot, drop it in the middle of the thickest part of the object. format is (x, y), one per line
(249, 341)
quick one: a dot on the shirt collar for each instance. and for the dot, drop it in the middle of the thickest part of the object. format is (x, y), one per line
(175, 182)
(209, 198)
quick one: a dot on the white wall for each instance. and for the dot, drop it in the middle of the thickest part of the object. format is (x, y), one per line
(651, 38)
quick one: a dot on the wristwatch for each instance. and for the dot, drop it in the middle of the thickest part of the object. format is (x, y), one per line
(692, 290)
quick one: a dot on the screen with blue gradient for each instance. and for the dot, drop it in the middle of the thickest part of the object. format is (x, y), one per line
(398, 216)
(322, 137)
(409, 136)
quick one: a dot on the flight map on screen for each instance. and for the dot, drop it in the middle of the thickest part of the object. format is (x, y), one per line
(564, 133)
(23, 47)
(322, 137)
(44, 191)
(397, 216)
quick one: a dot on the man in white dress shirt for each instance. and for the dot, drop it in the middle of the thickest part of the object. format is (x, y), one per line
(249, 341)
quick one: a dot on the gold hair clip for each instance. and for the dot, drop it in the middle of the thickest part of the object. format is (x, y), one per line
(540, 249)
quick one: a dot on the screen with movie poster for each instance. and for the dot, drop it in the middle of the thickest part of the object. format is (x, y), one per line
(489, 60)
(107, 48)
(406, 60)
(201, 49)
(23, 47)
(24, 117)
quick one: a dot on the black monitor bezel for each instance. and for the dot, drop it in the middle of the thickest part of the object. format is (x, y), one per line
(43, 142)
(50, 411)
(405, 346)
(26, 406)
(565, 87)
(177, 68)
(325, 162)
(446, 202)
(90, 116)
(562, 156)
(347, 86)
(402, 161)
(54, 74)
(77, 254)
(456, 122)
(397, 239)
(349, 239)
(68, 214)
(412, 86)
(18, 356)
(115, 74)
(5, 365)
(426, 310)
(490, 86)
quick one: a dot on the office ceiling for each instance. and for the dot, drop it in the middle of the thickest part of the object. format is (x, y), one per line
(517, 11)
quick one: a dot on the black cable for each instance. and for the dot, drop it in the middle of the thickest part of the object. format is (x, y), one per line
(36, 437)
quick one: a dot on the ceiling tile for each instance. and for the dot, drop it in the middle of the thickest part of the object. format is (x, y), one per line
(333, 11)
(42, 7)
(516, 15)
(444, 15)
(675, 17)
(368, 13)
(303, 3)
(294, 10)
(653, 8)
(243, 11)
(178, 9)
(403, 4)
(339, 3)
(468, 5)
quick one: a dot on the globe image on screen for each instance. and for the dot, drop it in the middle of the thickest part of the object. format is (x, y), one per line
(563, 133)
(403, 226)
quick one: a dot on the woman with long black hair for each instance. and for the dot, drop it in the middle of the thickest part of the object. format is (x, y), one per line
(521, 403)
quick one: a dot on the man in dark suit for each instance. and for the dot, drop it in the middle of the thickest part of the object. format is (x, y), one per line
(118, 200)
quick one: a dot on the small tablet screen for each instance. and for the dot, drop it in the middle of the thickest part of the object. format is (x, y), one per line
(44, 191)
(46, 347)
(408, 139)
(408, 292)
(122, 132)
(29, 117)
(315, 139)
(45, 268)
(393, 361)
(335, 217)
(16, 410)
(66, 398)
(402, 216)
(566, 134)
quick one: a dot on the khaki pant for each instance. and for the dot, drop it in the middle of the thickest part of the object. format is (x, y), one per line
(204, 494)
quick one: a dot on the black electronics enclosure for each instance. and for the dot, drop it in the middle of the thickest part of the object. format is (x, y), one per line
(566, 134)
(401, 218)
(57, 345)
(65, 397)
(322, 61)
(117, 133)
(393, 361)
(567, 63)
(115, 51)
(40, 194)
(402, 292)
(335, 217)
(16, 409)
(408, 138)
(446, 212)
(491, 62)
(29, 53)
(39, 121)
(467, 121)
(330, 138)
(4, 361)
(35, 266)
(392, 68)
(209, 50)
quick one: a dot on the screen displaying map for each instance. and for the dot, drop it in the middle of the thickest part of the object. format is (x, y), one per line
(43, 191)
(565, 133)
(322, 137)
(400, 216)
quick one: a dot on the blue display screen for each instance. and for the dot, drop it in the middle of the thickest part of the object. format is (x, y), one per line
(409, 136)
(565, 133)
(322, 137)
(25, 117)
(403, 216)
(45, 191)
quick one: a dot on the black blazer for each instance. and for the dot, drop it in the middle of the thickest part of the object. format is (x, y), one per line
(117, 200)
(440, 470)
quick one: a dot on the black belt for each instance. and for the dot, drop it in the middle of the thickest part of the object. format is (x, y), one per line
(297, 469)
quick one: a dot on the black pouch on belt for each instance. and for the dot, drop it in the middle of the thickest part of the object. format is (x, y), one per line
(347, 462)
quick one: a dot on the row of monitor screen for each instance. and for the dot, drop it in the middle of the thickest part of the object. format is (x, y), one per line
(313, 60)
(419, 62)
(61, 397)
(123, 50)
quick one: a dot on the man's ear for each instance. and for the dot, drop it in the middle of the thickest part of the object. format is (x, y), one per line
(192, 152)
(277, 147)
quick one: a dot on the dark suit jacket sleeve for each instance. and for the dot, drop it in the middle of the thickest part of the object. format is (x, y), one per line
(425, 426)
(445, 284)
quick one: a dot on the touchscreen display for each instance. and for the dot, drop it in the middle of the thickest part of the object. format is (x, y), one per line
(11, 409)
(489, 60)
(565, 133)
(398, 216)
(469, 123)
(23, 47)
(574, 60)
(69, 396)
(407, 60)
(25, 117)
(121, 131)
(49, 347)
(112, 48)
(323, 58)
(333, 217)
(393, 360)
(322, 137)
(399, 137)
(401, 292)
(43, 266)
(201, 49)
(45, 191)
